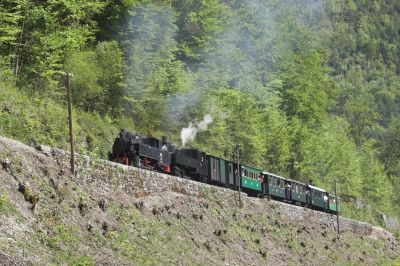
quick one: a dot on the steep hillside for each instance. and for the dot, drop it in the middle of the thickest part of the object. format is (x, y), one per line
(315, 82)
(115, 215)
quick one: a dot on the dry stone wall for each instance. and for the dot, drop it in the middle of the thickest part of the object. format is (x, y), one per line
(112, 178)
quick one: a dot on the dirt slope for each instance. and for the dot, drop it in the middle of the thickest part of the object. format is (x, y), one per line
(49, 217)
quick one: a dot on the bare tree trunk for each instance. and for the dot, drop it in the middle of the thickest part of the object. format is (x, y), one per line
(20, 43)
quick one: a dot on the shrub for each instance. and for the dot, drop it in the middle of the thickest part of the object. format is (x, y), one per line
(6, 207)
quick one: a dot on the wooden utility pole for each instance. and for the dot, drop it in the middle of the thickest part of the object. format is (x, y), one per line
(337, 209)
(68, 77)
(239, 174)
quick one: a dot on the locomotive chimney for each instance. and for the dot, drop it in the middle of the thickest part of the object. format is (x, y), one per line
(164, 140)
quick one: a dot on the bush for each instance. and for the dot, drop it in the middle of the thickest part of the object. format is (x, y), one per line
(6, 207)
(43, 121)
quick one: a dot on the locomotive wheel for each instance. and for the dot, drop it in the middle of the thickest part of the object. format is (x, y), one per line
(136, 161)
(177, 172)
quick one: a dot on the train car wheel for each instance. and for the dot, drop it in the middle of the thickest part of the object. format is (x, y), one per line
(203, 179)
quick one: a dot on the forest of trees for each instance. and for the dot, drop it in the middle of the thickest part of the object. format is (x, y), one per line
(310, 88)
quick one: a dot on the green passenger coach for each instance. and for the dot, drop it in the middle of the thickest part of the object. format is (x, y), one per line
(251, 179)
(317, 197)
(296, 192)
(274, 185)
(332, 204)
(222, 172)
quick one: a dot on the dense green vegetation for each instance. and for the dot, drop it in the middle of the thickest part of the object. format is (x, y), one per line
(309, 88)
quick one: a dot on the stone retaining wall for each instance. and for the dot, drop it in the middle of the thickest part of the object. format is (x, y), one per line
(111, 177)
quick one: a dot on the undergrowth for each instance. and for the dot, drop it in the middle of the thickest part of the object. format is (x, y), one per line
(34, 119)
(6, 206)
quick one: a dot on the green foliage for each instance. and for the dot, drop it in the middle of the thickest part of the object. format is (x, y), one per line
(81, 261)
(109, 58)
(156, 73)
(10, 16)
(46, 122)
(324, 154)
(198, 22)
(6, 206)
(86, 88)
(277, 143)
(305, 87)
(61, 243)
(99, 82)
(309, 88)
(48, 32)
(233, 110)
(390, 156)
(376, 186)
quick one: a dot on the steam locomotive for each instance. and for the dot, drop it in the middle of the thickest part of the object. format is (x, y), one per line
(162, 156)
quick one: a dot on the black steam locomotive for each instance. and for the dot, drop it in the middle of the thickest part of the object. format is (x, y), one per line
(159, 155)
(162, 156)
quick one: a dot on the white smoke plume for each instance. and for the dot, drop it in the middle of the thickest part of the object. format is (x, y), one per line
(189, 133)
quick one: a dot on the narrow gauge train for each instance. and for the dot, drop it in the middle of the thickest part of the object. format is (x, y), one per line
(162, 156)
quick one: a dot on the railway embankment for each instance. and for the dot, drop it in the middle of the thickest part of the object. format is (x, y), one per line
(110, 214)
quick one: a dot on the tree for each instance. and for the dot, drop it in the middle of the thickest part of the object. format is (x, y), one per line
(10, 17)
(376, 188)
(305, 88)
(48, 31)
(326, 153)
(390, 156)
(99, 80)
(236, 119)
(153, 71)
(88, 95)
(199, 21)
(111, 78)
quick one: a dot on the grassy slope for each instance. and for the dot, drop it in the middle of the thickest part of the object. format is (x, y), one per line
(69, 224)
(33, 119)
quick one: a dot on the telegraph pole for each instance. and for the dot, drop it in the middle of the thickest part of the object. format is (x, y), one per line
(68, 77)
(337, 209)
(239, 174)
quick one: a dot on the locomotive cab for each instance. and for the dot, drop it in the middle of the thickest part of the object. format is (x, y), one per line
(191, 164)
